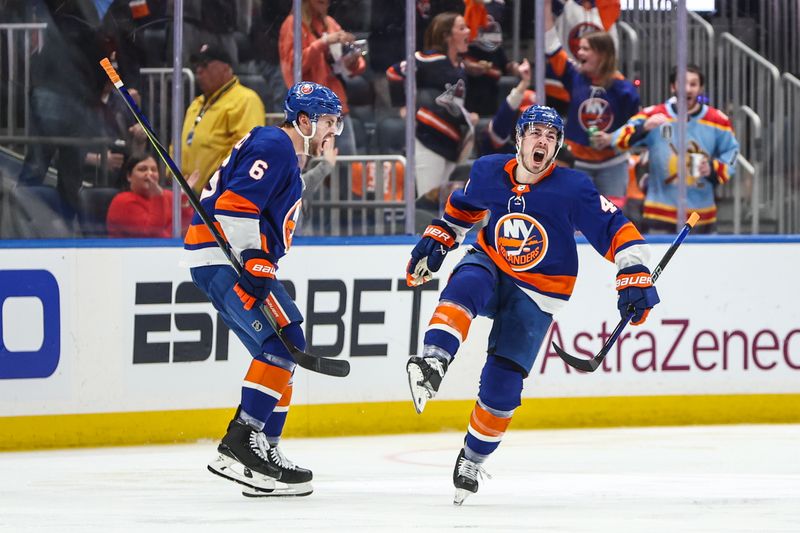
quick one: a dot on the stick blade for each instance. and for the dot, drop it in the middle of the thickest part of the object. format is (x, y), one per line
(330, 367)
(585, 365)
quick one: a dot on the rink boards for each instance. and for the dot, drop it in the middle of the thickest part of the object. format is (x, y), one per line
(105, 344)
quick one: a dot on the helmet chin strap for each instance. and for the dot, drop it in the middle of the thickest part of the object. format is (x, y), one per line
(306, 138)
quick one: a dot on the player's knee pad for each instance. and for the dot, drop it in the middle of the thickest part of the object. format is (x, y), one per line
(470, 285)
(501, 384)
(274, 346)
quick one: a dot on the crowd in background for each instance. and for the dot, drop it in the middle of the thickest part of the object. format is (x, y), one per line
(469, 92)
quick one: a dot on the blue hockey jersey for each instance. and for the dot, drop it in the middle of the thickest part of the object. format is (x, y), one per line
(604, 108)
(530, 235)
(709, 133)
(441, 128)
(253, 199)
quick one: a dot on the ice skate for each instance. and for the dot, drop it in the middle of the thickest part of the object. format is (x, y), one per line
(294, 480)
(425, 375)
(465, 477)
(244, 458)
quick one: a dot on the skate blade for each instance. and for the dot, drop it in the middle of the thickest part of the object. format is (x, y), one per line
(281, 490)
(233, 470)
(419, 394)
(461, 495)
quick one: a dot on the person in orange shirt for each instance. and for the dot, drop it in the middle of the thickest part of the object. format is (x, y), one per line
(328, 52)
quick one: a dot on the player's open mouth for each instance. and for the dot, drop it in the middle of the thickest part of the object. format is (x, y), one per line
(538, 155)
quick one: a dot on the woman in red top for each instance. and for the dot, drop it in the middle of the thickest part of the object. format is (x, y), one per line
(146, 209)
(325, 46)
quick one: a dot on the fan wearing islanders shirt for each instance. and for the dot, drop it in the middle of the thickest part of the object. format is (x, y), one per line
(254, 201)
(444, 129)
(521, 271)
(601, 100)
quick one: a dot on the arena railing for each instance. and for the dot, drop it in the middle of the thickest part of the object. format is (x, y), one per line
(364, 195)
(747, 79)
(746, 186)
(17, 77)
(790, 137)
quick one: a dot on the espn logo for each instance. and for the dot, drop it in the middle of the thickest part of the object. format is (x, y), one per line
(438, 234)
(634, 280)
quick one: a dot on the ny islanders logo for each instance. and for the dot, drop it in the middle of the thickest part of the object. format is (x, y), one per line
(521, 240)
(595, 112)
(290, 223)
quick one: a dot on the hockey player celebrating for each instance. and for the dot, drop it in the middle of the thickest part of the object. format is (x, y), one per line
(254, 198)
(520, 273)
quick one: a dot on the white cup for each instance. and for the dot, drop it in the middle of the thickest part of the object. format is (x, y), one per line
(695, 160)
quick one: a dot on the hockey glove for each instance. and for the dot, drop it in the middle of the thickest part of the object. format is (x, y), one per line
(636, 293)
(258, 275)
(430, 251)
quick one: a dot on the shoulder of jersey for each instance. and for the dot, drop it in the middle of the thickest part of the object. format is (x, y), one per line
(571, 177)
(490, 165)
(429, 56)
(717, 117)
(655, 109)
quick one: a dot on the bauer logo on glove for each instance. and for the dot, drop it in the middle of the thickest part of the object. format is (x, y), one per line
(637, 295)
(258, 274)
(427, 256)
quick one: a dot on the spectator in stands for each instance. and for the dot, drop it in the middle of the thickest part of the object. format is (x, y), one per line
(444, 129)
(218, 118)
(314, 174)
(601, 101)
(212, 22)
(498, 138)
(267, 20)
(710, 161)
(65, 85)
(128, 137)
(573, 20)
(387, 37)
(485, 62)
(329, 53)
(146, 209)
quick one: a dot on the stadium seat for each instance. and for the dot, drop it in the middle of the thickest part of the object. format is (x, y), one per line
(38, 213)
(258, 84)
(359, 91)
(93, 205)
(391, 133)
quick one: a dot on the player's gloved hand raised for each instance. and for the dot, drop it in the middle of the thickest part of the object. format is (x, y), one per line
(258, 275)
(636, 293)
(430, 251)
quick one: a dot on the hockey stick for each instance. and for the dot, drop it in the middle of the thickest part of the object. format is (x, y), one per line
(322, 365)
(590, 365)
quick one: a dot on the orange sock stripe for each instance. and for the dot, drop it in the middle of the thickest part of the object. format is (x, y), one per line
(286, 399)
(486, 423)
(453, 316)
(269, 376)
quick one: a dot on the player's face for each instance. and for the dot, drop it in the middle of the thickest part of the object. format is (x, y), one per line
(588, 59)
(459, 36)
(693, 89)
(328, 126)
(144, 178)
(538, 146)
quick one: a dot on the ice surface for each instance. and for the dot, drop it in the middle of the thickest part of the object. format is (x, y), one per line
(688, 479)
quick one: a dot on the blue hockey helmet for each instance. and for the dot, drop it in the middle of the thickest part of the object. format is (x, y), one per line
(314, 100)
(543, 115)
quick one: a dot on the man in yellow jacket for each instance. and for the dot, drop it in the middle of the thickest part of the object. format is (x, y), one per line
(216, 120)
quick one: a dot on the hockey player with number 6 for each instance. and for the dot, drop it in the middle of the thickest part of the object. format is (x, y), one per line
(254, 199)
(521, 271)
